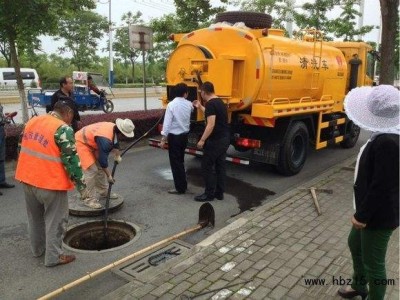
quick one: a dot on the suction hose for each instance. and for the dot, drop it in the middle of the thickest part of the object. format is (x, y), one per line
(113, 172)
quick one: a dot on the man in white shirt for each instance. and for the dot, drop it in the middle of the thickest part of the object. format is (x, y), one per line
(175, 130)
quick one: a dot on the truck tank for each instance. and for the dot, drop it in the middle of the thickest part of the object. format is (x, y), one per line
(255, 66)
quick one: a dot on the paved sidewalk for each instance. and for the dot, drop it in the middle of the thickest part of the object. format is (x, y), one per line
(271, 252)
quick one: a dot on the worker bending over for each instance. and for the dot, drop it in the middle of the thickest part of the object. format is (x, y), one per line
(94, 143)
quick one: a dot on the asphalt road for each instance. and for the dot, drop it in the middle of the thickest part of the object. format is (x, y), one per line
(142, 179)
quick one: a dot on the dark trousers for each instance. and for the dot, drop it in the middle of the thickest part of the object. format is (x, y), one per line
(368, 250)
(213, 166)
(176, 150)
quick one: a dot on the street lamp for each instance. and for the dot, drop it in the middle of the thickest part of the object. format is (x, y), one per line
(111, 71)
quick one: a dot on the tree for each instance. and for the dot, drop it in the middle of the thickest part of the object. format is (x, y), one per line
(190, 15)
(5, 50)
(390, 16)
(315, 16)
(163, 27)
(121, 44)
(22, 20)
(345, 26)
(194, 14)
(81, 32)
(278, 9)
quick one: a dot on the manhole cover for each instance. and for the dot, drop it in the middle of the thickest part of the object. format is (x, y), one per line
(90, 236)
(76, 207)
(138, 269)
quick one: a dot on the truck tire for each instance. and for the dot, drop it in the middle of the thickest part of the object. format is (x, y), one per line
(354, 132)
(251, 19)
(293, 152)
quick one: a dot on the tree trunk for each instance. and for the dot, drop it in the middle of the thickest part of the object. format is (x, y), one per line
(20, 84)
(389, 12)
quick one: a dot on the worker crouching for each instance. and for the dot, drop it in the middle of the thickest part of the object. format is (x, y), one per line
(94, 144)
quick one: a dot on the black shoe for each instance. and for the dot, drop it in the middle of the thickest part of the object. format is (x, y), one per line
(203, 198)
(6, 185)
(1, 193)
(175, 192)
(346, 294)
(219, 196)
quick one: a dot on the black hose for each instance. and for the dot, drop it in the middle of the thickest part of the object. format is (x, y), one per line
(113, 172)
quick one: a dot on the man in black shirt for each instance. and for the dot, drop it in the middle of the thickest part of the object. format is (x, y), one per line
(215, 142)
(65, 93)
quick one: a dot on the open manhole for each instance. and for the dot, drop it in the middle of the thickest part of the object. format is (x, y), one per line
(90, 237)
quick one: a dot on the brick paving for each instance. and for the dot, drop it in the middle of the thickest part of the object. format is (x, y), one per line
(271, 252)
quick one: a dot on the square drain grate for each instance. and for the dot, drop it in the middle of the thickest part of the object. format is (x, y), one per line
(139, 269)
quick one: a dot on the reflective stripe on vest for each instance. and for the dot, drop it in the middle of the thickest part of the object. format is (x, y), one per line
(39, 162)
(40, 155)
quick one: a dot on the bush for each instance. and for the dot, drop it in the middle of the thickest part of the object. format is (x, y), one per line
(137, 85)
(143, 121)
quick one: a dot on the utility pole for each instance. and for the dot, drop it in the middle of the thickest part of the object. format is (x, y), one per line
(143, 48)
(289, 22)
(361, 18)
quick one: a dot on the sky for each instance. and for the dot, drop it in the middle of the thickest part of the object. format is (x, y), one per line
(156, 8)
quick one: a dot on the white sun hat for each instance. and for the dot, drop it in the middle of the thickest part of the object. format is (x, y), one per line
(374, 108)
(126, 127)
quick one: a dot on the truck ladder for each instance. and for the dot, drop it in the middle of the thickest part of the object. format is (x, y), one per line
(333, 126)
(316, 64)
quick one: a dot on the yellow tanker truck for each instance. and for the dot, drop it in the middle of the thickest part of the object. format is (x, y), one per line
(281, 94)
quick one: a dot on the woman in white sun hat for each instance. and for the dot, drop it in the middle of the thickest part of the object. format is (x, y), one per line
(94, 143)
(376, 188)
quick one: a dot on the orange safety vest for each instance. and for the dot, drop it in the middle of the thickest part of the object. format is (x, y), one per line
(86, 144)
(39, 162)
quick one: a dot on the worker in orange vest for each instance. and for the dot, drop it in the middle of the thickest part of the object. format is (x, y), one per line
(48, 166)
(94, 143)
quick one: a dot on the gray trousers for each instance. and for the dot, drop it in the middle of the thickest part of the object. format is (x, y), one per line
(96, 182)
(47, 221)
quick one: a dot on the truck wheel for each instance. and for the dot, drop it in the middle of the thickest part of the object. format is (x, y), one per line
(108, 106)
(251, 19)
(354, 132)
(293, 152)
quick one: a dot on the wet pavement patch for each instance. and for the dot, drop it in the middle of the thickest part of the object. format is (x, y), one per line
(91, 236)
(247, 195)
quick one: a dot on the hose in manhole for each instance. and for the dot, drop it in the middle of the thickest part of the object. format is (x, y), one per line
(89, 236)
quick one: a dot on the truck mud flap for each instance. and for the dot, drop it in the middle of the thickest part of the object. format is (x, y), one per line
(196, 152)
(268, 153)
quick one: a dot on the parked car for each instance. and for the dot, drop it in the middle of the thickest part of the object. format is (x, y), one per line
(8, 78)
